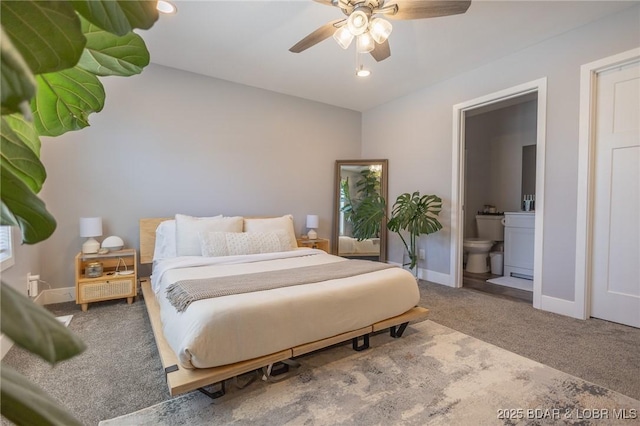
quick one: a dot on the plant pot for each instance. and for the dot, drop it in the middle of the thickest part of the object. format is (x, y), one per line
(406, 263)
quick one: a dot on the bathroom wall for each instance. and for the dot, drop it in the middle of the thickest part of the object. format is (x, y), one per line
(494, 142)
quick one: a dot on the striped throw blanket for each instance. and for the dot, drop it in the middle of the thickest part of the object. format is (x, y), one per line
(182, 293)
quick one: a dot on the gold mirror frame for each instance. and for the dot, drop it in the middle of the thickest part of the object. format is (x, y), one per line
(340, 168)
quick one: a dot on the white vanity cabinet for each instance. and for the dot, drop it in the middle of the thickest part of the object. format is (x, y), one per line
(519, 238)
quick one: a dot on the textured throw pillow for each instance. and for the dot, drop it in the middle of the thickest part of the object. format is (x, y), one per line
(283, 223)
(188, 229)
(239, 243)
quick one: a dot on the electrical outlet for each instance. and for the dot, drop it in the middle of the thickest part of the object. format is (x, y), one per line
(421, 254)
(32, 284)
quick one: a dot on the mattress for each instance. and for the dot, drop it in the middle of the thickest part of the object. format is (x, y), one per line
(229, 329)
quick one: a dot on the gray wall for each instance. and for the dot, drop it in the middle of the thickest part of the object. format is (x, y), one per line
(171, 142)
(415, 133)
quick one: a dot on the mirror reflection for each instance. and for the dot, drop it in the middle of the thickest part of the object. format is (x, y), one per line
(359, 216)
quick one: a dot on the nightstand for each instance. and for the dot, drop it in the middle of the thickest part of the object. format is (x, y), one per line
(318, 243)
(118, 279)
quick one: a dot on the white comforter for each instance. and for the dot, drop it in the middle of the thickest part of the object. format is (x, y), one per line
(229, 329)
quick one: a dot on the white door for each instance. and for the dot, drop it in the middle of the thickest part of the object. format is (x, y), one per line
(615, 262)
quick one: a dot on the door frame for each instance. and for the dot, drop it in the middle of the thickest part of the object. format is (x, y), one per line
(458, 175)
(586, 173)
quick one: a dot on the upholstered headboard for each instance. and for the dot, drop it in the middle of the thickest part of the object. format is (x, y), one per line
(148, 228)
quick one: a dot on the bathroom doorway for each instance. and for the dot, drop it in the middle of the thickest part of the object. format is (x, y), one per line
(498, 156)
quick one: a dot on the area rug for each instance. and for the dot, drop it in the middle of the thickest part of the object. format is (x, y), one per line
(514, 282)
(433, 375)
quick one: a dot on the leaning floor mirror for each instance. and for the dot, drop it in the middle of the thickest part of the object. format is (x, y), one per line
(359, 217)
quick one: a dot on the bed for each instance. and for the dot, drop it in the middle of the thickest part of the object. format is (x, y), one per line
(214, 339)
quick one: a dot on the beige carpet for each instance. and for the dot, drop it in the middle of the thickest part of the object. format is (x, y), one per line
(432, 375)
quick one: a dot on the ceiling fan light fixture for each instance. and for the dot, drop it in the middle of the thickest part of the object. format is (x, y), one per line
(364, 43)
(343, 37)
(358, 22)
(380, 30)
(165, 6)
(361, 71)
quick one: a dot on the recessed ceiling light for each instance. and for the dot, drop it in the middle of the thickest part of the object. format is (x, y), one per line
(165, 6)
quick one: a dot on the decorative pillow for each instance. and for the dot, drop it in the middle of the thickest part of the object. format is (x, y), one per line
(238, 243)
(283, 223)
(165, 246)
(188, 229)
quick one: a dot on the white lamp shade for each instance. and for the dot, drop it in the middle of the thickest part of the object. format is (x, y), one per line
(343, 37)
(90, 226)
(365, 43)
(358, 22)
(312, 221)
(380, 30)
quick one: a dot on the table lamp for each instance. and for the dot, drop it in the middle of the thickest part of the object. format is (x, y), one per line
(90, 227)
(312, 225)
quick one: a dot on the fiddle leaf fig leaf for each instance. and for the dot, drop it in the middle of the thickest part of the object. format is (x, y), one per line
(21, 159)
(118, 17)
(141, 13)
(46, 33)
(107, 54)
(21, 207)
(26, 404)
(64, 101)
(25, 130)
(32, 327)
(17, 85)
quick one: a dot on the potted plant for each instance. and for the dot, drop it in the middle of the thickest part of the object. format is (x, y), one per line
(365, 209)
(52, 55)
(415, 215)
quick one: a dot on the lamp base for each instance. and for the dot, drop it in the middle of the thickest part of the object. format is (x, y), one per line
(313, 235)
(90, 246)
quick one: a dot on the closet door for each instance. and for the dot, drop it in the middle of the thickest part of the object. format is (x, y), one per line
(615, 293)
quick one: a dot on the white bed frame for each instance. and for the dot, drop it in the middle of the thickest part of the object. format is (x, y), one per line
(181, 380)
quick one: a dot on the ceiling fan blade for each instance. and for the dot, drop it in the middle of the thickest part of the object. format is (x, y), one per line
(317, 36)
(420, 9)
(381, 51)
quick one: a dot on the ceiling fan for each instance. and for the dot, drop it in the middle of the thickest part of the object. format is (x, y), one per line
(371, 32)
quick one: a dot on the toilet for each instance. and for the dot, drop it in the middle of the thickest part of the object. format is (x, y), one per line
(490, 231)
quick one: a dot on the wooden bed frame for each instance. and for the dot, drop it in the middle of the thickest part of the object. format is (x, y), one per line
(181, 380)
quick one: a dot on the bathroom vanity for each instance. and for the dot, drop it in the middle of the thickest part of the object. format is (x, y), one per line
(519, 240)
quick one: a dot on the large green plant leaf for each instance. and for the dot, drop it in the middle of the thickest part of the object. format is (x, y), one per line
(25, 130)
(46, 33)
(24, 403)
(118, 17)
(64, 101)
(19, 158)
(17, 85)
(107, 54)
(21, 207)
(32, 327)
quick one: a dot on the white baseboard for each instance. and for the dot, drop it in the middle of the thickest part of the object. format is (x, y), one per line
(5, 345)
(559, 306)
(434, 277)
(45, 297)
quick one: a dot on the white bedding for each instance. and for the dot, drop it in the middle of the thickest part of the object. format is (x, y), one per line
(351, 246)
(229, 329)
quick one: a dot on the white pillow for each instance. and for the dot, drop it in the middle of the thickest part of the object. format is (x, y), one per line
(239, 243)
(188, 229)
(283, 223)
(165, 246)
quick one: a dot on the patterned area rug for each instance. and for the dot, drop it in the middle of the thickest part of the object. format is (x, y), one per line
(432, 375)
